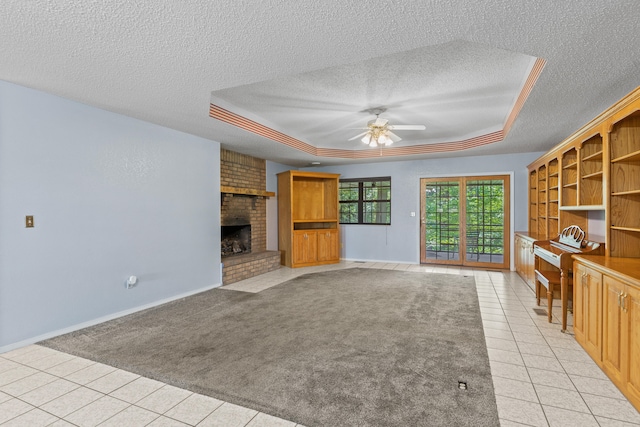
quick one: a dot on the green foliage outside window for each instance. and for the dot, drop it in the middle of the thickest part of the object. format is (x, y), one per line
(442, 217)
(484, 217)
(365, 201)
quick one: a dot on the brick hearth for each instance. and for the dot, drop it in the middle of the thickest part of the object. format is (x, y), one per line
(242, 171)
(240, 267)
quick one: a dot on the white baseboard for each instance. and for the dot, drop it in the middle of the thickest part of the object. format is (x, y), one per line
(102, 319)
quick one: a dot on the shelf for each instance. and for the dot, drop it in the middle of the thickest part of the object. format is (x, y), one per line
(625, 193)
(553, 217)
(594, 156)
(573, 165)
(555, 187)
(582, 208)
(551, 175)
(631, 157)
(571, 185)
(633, 229)
(553, 201)
(593, 175)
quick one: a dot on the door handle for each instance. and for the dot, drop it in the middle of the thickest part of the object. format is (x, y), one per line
(619, 299)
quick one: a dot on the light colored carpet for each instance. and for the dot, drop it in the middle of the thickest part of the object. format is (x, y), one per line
(355, 347)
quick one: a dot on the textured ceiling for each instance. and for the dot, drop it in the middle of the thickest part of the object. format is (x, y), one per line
(459, 90)
(308, 69)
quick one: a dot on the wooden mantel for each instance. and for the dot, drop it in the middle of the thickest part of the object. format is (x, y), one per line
(246, 191)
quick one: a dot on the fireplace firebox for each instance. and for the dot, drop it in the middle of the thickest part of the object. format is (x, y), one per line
(236, 239)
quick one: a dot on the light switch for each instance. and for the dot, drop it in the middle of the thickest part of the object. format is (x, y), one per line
(412, 214)
(29, 221)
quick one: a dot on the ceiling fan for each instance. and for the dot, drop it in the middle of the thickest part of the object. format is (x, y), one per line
(378, 131)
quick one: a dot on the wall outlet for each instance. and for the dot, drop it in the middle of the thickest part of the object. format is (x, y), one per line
(131, 282)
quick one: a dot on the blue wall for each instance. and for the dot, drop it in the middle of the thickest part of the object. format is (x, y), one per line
(111, 197)
(400, 241)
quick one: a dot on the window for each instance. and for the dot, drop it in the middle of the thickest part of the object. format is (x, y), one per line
(365, 201)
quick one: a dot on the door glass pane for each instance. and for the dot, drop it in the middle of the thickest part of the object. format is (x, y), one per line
(485, 221)
(442, 220)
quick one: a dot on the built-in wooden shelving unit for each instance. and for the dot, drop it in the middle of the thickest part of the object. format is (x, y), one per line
(595, 169)
(599, 171)
(308, 218)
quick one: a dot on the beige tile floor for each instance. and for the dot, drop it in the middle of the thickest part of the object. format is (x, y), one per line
(541, 376)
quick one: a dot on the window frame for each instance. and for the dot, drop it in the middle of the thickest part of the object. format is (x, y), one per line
(360, 202)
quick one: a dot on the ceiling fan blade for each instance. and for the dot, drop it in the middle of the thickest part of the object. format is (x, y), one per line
(394, 137)
(357, 136)
(407, 127)
(380, 122)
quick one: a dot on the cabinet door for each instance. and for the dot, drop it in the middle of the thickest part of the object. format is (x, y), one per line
(524, 259)
(631, 310)
(587, 309)
(328, 245)
(304, 246)
(530, 262)
(519, 253)
(612, 329)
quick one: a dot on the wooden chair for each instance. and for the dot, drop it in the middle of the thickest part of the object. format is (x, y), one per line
(547, 279)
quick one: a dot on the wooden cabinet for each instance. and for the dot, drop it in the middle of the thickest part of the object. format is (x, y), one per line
(305, 247)
(524, 259)
(607, 317)
(587, 309)
(328, 245)
(311, 247)
(621, 335)
(599, 170)
(308, 232)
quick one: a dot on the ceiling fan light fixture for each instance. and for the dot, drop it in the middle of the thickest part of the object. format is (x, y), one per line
(378, 131)
(383, 139)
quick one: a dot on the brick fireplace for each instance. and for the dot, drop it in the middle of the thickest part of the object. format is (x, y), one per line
(243, 216)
